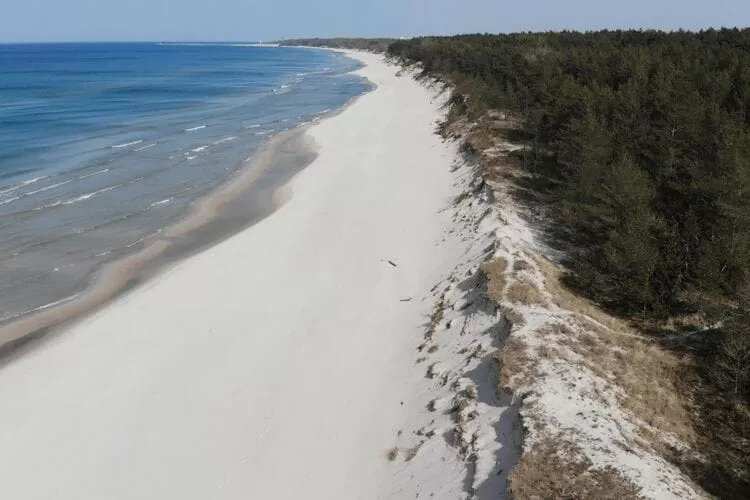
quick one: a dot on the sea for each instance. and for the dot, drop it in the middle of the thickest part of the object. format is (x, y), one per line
(104, 147)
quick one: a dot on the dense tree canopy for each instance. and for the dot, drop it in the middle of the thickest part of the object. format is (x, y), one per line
(370, 44)
(644, 138)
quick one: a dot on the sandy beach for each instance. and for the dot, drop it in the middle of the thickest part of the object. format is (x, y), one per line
(274, 365)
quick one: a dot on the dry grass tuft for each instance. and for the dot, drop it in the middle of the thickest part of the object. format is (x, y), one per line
(392, 454)
(516, 368)
(515, 317)
(435, 318)
(412, 452)
(565, 299)
(523, 292)
(556, 469)
(520, 265)
(494, 270)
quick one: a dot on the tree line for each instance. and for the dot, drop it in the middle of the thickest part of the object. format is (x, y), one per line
(368, 44)
(638, 143)
(644, 139)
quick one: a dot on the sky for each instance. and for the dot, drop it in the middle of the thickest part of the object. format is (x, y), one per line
(251, 20)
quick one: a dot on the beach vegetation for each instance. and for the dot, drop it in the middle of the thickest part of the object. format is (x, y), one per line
(636, 148)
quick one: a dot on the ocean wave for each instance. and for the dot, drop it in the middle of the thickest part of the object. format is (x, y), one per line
(226, 139)
(47, 188)
(89, 195)
(98, 172)
(144, 238)
(324, 111)
(193, 129)
(191, 157)
(143, 148)
(118, 146)
(198, 150)
(30, 193)
(252, 126)
(41, 308)
(10, 200)
(162, 202)
(24, 183)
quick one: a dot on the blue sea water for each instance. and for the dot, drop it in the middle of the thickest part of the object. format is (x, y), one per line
(104, 145)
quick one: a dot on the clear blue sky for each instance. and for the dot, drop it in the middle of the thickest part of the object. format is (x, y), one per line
(207, 20)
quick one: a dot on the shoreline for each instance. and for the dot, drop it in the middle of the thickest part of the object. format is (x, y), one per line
(221, 214)
(279, 363)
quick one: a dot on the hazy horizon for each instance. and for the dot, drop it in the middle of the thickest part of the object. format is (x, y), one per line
(39, 21)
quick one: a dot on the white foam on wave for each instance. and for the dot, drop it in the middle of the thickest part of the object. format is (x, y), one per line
(191, 157)
(41, 308)
(162, 202)
(47, 188)
(9, 200)
(324, 111)
(252, 126)
(143, 148)
(98, 172)
(22, 184)
(198, 150)
(90, 195)
(140, 240)
(226, 139)
(193, 129)
(30, 193)
(118, 146)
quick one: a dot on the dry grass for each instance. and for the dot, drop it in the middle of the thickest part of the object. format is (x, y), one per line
(411, 453)
(516, 318)
(523, 292)
(521, 265)
(392, 454)
(555, 469)
(565, 299)
(516, 368)
(435, 318)
(646, 373)
(494, 270)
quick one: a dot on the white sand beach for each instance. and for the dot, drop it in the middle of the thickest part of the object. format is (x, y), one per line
(275, 365)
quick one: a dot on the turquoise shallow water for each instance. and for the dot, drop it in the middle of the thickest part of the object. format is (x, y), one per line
(102, 146)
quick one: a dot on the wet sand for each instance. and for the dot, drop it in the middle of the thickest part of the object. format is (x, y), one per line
(251, 195)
